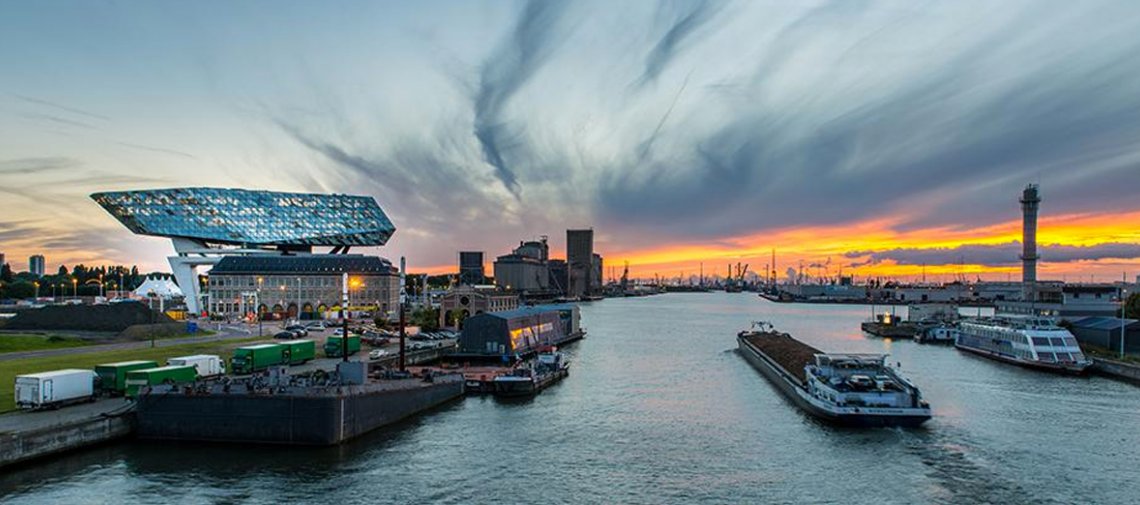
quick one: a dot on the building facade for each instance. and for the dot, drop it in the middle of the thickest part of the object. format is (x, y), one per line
(471, 268)
(579, 262)
(206, 225)
(461, 302)
(526, 269)
(301, 287)
(36, 265)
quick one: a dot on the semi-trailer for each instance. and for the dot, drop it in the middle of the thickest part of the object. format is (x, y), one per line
(113, 376)
(207, 365)
(299, 351)
(161, 375)
(54, 389)
(334, 346)
(252, 358)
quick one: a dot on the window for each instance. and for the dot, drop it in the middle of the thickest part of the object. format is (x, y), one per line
(1040, 341)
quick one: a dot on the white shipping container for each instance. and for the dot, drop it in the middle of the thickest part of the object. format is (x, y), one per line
(207, 365)
(48, 389)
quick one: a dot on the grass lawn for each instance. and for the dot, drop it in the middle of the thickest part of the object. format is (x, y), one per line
(10, 369)
(17, 342)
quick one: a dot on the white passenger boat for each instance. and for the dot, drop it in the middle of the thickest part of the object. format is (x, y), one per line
(1034, 342)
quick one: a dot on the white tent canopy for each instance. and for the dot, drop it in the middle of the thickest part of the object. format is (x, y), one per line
(162, 288)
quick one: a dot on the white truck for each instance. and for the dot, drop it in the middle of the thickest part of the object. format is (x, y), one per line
(207, 365)
(54, 389)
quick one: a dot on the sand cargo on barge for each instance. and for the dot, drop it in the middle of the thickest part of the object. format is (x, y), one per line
(845, 389)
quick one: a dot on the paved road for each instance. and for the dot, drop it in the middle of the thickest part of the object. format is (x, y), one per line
(227, 332)
(15, 422)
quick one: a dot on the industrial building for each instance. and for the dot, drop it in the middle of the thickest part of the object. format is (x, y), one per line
(1104, 332)
(471, 268)
(584, 268)
(525, 270)
(207, 225)
(519, 332)
(301, 287)
(1066, 301)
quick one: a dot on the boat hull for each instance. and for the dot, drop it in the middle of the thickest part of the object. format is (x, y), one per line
(1035, 365)
(789, 386)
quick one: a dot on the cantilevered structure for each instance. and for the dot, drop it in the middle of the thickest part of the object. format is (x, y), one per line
(207, 223)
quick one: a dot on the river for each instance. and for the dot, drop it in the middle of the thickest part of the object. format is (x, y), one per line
(659, 408)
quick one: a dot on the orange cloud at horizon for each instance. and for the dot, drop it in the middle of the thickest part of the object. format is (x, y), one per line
(822, 243)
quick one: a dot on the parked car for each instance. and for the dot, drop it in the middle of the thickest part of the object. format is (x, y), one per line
(285, 335)
(377, 353)
(299, 330)
(318, 326)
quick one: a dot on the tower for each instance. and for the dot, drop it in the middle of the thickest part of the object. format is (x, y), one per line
(1030, 200)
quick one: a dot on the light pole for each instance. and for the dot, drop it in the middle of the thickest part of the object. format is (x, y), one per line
(75, 288)
(257, 309)
(1123, 293)
(37, 285)
(298, 300)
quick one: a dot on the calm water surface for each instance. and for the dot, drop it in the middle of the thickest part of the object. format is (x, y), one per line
(659, 408)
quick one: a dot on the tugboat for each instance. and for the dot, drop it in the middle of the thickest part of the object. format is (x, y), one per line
(844, 389)
(1033, 342)
(944, 333)
(551, 366)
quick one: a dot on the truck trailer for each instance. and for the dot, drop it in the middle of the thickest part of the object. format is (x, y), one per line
(113, 376)
(299, 351)
(334, 346)
(207, 365)
(253, 358)
(54, 389)
(162, 375)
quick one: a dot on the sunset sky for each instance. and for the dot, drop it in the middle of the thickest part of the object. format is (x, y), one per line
(872, 137)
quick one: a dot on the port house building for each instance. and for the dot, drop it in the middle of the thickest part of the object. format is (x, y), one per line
(208, 225)
(301, 287)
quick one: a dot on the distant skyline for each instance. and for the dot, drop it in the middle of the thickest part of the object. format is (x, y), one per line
(880, 138)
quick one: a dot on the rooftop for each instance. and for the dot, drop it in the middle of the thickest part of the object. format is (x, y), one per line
(306, 264)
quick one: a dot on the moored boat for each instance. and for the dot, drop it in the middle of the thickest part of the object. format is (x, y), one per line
(844, 389)
(549, 367)
(1033, 342)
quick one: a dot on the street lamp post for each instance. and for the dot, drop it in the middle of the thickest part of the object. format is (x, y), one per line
(37, 285)
(75, 288)
(298, 300)
(257, 309)
(1123, 305)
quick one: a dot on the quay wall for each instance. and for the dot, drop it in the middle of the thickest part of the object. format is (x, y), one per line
(1116, 369)
(25, 445)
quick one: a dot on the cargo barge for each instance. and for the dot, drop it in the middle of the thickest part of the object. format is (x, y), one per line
(313, 415)
(844, 389)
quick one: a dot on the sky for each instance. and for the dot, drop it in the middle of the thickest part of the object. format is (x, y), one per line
(877, 138)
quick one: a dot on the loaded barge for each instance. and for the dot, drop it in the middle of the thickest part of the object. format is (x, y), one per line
(844, 389)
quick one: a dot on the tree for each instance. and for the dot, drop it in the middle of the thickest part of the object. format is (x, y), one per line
(426, 318)
(6, 273)
(62, 271)
(21, 290)
(1132, 306)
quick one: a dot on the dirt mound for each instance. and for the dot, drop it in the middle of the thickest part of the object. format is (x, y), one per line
(113, 317)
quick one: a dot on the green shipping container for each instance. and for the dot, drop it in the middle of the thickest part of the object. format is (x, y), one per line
(252, 358)
(113, 376)
(299, 351)
(181, 374)
(333, 346)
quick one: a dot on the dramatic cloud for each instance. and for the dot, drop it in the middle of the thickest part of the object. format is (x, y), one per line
(673, 126)
(694, 14)
(505, 71)
(996, 254)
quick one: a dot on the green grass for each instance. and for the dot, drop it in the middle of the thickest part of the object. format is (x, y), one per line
(10, 369)
(18, 342)
(1100, 352)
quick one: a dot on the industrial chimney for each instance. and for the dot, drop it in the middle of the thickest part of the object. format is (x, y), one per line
(1030, 200)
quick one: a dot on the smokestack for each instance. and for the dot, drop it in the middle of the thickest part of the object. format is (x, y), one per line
(1030, 200)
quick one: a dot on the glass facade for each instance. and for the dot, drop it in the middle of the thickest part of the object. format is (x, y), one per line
(251, 218)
